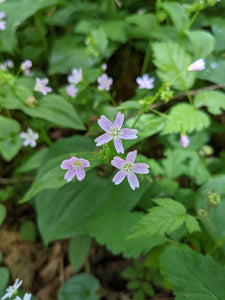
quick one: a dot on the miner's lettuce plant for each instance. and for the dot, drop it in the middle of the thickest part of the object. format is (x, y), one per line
(64, 68)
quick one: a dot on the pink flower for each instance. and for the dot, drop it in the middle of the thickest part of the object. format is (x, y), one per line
(184, 140)
(145, 82)
(128, 168)
(71, 90)
(104, 66)
(197, 65)
(114, 132)
(75, 167)
(41, 87)
(75, 77)
(26, 65)
(104, 82)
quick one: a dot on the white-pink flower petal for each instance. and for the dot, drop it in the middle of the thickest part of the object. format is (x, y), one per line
(119, 177)
(133, 181)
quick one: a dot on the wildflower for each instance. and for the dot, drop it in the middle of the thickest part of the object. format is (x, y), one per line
(197, 65)
(114, 132)
(145, 82)
(26, 65)
(27, 296)
(75, 167)
(184, 140)
(104, 82)
(104, 66)
(2, 15)
(140, 11)
(9, 63)
(41, 87)
(71, 90)
(12, 290)
(128, 168)
(75, 77)
(29, 137)
(2, 25)
(1, 1)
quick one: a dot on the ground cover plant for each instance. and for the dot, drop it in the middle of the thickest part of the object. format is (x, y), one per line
(112, 125)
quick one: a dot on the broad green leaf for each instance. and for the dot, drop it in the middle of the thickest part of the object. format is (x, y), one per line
(184, 117)
(147, 125)
(3, 213)
(118, 224)
(100, 40)
(213, 100)
(198, 39)
(172, 62)
(16, 14)
(28, 231)
(78, 250)
(4, 277)
(10, 141)
(142, 26)
(33, 162)
(214, 71)
(177, 14)
(194, 276)
(77, 202)
(192, 224)
(66, 55)
(218, 29)
(50, 175)
(129, 105)
(116, 30)
(163, 219)
(79, 287)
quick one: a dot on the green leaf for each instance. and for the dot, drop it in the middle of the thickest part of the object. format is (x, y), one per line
(177, 14)
(50, 175)
(116, 30)
(163, 219)
(10, 141)
(218, 29)
(192, 224)
(119, 225)
(33, 162)
(78, 250)
(139, 23)
(79, 287)
(100, 40)
(172, 62)
(28, 231)
(4, 277)
(77, 202)
(213, 100)
(147, 125)
(66, 54)
(214, 71)
(184, 117)
(198, 39)
(3, 213)
(193, 275)
(129, 105)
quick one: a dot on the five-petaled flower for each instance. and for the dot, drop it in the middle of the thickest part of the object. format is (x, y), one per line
(104, 82)
(114, 132)
(41, 87)
(29, 137)
(75, 77)
(71, 90)
(2, 22)
(184, 140)
(197, 65)
(12, 290)
(145, 82)
(129, 168)
(75, 167)
(26, 65)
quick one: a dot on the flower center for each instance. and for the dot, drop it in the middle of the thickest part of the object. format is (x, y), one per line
(115, 132)
(128, 168)
(77, 164)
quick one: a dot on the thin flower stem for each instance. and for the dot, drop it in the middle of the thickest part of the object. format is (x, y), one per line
(158, 113)
(212, 231)
(7, 181)
(137, 119)
(146, 59)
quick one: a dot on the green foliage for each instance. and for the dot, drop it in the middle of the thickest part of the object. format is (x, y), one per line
(28, 231)
(184, 117)
(172, 62)
(218, 29)
(213, 100)
(3, 212)
(198, 39)
(119, 225)
(78, 250)
(79, 287)
(177, 14)
(167, 217)
(193, 275)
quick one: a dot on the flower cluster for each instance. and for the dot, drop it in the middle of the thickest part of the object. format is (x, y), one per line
(74, 78)
(114, 132)
(2, 21)
(7, 64)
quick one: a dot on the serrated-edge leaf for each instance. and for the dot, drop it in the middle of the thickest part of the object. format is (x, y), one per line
(192, 224)
(213, 100)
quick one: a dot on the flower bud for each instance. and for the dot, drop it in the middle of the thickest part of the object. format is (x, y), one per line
(31, 102)
(213, 198)
(202, 214)
(206, 150)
